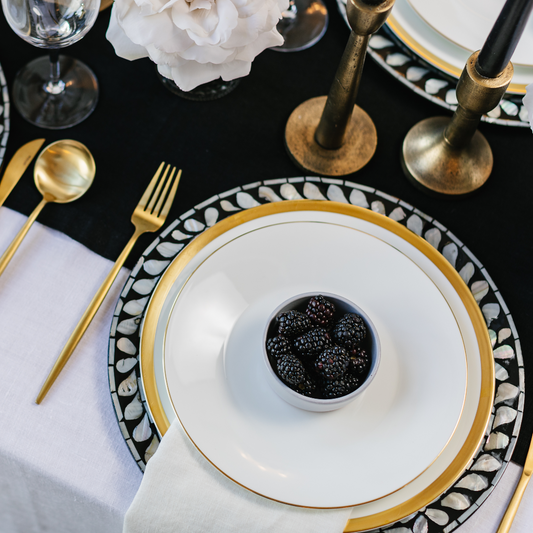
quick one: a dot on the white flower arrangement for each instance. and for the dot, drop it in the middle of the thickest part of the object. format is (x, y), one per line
(196, 41)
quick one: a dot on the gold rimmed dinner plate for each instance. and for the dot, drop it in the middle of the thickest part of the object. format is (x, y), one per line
(468, 23)
(464, 442)
(439, 51)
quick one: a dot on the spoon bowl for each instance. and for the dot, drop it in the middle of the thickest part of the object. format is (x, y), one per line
(63, 172)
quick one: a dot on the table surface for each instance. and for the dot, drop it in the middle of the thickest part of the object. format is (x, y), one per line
(240, 139)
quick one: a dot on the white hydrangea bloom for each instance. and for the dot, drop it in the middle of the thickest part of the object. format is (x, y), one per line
(196, 41)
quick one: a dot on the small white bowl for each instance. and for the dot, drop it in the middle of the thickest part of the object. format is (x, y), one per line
(342, 306)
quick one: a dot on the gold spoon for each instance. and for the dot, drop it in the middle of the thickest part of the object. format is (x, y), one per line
(63, 172)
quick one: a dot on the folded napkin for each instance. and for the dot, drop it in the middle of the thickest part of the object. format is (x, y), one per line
(528, 102)
(182, 492)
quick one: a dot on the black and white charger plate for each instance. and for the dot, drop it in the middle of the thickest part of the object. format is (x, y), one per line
(429, 82)
(461, 500)
(4, 116)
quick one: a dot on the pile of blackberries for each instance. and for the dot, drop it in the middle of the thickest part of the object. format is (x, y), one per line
(317, 353)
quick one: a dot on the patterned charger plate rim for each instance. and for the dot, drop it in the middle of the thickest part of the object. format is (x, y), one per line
(4, 116)
(465, 496)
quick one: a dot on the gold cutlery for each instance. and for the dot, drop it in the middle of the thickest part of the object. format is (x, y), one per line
(63, 172)
(146, 217)
(17, 166)
(508, 517)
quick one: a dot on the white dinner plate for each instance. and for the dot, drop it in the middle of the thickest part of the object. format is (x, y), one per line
(439, 51)
(217, 375)
(468, 23)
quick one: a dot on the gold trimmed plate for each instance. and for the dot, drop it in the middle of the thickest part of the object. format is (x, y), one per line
(430, 65)
(464, 495)
(444, 471)
(439, 51)
(467, 23)
(214, 372)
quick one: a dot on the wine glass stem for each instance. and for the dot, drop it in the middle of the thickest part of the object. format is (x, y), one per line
(54, 85)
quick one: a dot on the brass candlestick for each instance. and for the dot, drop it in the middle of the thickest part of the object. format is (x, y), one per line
(444, 156)
(331, 135)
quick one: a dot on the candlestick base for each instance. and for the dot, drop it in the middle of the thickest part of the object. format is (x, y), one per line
(437, 168)
(358, 147)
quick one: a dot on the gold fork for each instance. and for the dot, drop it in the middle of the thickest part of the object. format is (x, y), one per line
(512, 508)
(146, 217)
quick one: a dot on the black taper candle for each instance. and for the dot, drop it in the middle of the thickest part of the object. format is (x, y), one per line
(503, 38)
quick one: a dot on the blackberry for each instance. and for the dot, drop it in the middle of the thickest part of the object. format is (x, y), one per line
(332, 363)
(349, 331)
(334, 389)
(293, 323)
(291, 370)
(312, 343)
(278, 346)
(320, 310)
(307, 387)
(352, 382)
(359, 361)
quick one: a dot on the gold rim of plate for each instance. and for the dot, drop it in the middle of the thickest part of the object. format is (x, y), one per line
(432, 59)
(477, 431)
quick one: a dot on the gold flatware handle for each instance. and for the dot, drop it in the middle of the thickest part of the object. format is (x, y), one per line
(149, 215)
(86, 319)
(17, 166)
(508, 517)
(13, 247)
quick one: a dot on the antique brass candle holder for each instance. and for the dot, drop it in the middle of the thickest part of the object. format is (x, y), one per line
(331, 135)
(449, 156)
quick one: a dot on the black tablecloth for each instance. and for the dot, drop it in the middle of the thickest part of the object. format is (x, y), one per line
(239, 139)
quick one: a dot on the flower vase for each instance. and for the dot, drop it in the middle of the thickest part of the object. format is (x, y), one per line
(212, 90)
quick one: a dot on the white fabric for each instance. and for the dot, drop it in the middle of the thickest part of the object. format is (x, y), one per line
(64, 465)
(182, 491)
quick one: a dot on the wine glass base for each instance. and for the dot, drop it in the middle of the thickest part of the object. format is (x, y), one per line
(55, 111)
(306, 28)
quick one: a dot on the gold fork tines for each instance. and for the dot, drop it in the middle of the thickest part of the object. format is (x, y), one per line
(159, 195)
(156, 195)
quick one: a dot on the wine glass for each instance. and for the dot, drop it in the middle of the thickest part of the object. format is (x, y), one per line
(302, 25)
(58, 91)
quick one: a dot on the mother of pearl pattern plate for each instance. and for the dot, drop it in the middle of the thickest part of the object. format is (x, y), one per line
(4, 116)
(393, 50)
(471, 489)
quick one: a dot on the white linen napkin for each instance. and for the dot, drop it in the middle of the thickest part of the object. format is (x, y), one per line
(182, 491)
(528, 102)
